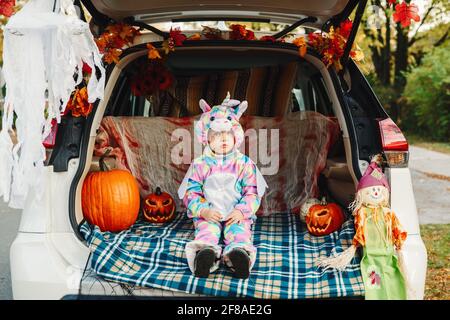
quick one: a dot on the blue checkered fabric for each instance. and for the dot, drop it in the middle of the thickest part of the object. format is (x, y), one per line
(151, 255)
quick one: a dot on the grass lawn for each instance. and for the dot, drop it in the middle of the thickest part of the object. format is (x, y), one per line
(437, 242)
(420, 141)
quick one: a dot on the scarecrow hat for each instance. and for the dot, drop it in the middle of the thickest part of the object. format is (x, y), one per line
(373, 176)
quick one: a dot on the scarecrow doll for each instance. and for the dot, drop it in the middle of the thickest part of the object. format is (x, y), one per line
(379, 233)
(222, 191)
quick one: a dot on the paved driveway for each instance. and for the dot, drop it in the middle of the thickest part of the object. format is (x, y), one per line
(9, 223)
(431, 181)
(430, 173)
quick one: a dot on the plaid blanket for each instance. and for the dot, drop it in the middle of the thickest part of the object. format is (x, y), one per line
(151, 255)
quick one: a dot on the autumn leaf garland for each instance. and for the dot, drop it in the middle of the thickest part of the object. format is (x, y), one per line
(114, 39)
(120, 35)
(330, 45)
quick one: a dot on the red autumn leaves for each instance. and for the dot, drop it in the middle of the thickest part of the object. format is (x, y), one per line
(177, 37)
(240, 32)
(151, 78)
(330, 45)
(111, 42)
(78, 103)
(404, 13)
(7, 7)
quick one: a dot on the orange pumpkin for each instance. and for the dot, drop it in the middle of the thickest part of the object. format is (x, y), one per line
(110, 199)
(159, 207)
(324, 218)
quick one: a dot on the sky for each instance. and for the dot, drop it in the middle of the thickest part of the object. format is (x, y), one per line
(423, 5)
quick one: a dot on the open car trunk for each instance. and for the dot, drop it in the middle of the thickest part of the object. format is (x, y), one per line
(178, 10)
(298, 146)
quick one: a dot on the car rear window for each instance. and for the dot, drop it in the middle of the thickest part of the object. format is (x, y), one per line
(273, 84)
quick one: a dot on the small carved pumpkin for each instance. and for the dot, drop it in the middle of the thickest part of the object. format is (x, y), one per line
(324, 218)
(304, 209)
(159, 207)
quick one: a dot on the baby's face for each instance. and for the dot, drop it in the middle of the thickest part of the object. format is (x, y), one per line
(221, 142)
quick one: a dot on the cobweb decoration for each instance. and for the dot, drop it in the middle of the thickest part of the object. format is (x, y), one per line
(92, 284)
(45, 46)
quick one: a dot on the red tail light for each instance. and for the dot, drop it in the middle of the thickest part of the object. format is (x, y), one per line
(394, 143)
(392, 137)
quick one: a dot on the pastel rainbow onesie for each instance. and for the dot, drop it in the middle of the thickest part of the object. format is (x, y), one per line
(223, 183)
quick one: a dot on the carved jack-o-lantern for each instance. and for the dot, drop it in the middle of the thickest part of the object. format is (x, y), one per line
(159, 207)
(324, 218)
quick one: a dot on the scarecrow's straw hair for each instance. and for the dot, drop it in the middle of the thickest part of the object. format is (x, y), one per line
(359, 202)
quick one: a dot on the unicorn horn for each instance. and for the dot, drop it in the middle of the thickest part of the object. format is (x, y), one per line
(227, 98)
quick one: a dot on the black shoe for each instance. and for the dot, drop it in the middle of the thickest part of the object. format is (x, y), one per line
(241, 263)
(204, 260)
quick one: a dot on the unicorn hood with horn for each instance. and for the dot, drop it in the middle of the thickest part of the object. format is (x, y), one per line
(221, 118)
(222, 180)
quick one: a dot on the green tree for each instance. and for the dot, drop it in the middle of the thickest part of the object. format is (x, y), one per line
(427, 95)
(393, 49)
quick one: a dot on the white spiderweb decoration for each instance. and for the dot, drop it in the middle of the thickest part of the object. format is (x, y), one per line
(45, 45)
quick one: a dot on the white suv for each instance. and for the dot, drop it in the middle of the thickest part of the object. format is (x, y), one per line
(49, 254)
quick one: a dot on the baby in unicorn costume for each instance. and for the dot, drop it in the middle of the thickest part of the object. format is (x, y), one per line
(222, 191)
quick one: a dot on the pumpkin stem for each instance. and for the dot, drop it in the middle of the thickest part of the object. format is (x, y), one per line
(158, 191)
(324, 201)
(103, 166)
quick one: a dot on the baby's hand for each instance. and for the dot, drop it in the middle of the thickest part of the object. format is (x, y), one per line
(235, 216)
(210, 215)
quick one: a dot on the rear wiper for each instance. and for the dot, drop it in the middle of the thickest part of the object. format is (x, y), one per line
(293, 26)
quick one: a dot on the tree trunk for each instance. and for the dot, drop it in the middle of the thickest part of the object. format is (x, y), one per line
(401, 57)
(387, 54)
(381, 57)
(401, 65)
